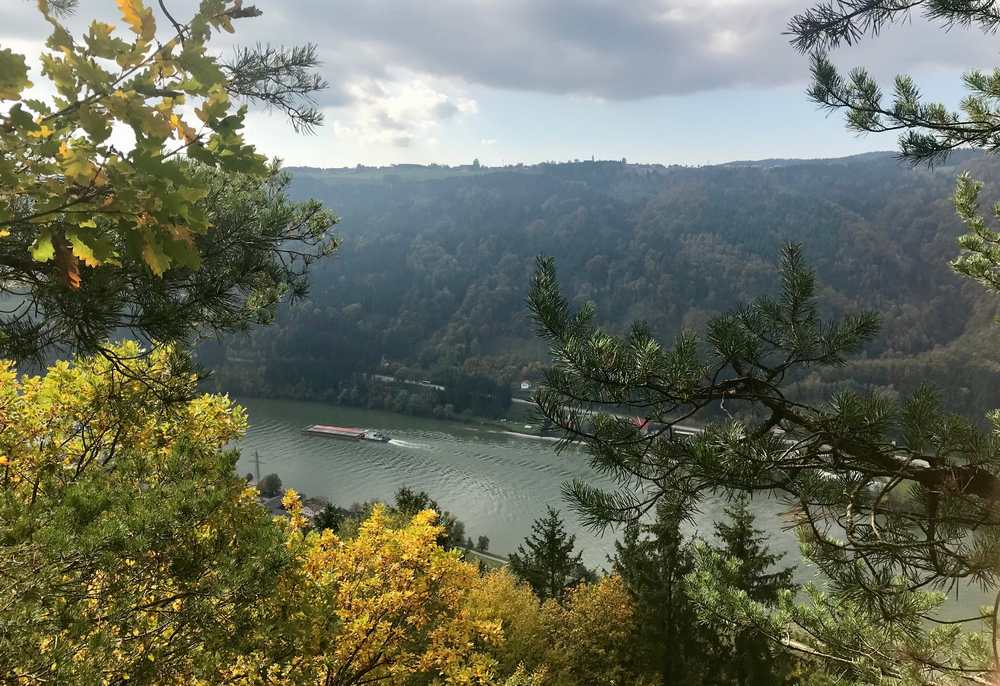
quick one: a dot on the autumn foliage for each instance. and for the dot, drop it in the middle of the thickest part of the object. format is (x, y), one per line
(128, 549)
(132, 552)
(128, 195)
(91, 200)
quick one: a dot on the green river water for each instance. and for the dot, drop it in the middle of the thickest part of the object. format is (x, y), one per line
(495, 482)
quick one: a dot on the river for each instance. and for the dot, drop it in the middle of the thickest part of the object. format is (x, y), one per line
(496, 483)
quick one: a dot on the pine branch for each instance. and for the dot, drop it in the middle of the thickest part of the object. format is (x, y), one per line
(279, 78)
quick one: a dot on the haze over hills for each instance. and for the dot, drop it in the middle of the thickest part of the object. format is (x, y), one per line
(436, 263)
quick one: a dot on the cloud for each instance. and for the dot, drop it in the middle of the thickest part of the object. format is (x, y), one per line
(603, 48)
(401, 69)
(400, 111)
(445, 109)
(369, 99)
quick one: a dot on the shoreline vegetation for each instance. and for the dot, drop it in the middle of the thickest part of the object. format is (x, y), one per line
(507, 410)
(318, 513)
(453, 396)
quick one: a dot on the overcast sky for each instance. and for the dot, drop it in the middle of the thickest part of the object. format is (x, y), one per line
(505, 81)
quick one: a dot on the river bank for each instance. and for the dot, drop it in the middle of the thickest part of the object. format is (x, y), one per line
(494, 476)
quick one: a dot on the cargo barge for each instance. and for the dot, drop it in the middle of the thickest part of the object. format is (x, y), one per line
(346, 432)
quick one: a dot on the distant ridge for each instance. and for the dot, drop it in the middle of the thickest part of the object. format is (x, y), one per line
(436, 262)
(957, 157)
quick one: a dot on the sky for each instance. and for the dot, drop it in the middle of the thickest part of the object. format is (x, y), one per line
(506, 81)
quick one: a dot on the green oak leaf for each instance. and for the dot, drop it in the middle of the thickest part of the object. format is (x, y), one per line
(43, 249)
(13, 74)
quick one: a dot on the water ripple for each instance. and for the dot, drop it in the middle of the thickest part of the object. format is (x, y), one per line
(496, 483)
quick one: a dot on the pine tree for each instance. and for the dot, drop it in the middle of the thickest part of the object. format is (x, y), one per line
(753, 660)
(410, 502)
(929, 131)
(894, 499)
(653, 560)
(546, 560)
(330, 517)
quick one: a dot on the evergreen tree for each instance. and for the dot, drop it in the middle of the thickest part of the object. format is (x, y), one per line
(548, 564)
(742, 541)
(894, 499)
(410, 502)
(929, 131)
(752, 660)
(653, 560)
(270, 485)
(329, 517)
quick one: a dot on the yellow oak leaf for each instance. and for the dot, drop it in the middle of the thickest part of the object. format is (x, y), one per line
(154, 256)
(182, 128)
(42, 131)
(76, 165)
(83, 251)
(139, 18)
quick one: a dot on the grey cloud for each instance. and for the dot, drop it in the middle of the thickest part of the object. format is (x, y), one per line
(445, 110)
(606, 48)
(603, 48)
(386, 121)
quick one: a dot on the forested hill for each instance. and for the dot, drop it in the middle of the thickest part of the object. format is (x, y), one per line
(436, 262)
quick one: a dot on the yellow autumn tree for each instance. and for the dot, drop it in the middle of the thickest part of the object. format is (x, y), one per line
(588, 639)
(499, 596)
(582, 653)
(387, 606)
(128, 549)
(131, 552)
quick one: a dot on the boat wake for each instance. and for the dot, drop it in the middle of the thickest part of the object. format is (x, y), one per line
(407, 444)
(530, 436)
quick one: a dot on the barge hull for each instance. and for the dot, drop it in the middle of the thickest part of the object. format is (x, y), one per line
(335, 432)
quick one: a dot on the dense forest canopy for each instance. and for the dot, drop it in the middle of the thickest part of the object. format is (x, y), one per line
(435, 260)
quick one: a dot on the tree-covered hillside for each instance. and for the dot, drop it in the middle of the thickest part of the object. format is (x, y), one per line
(435, 264)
